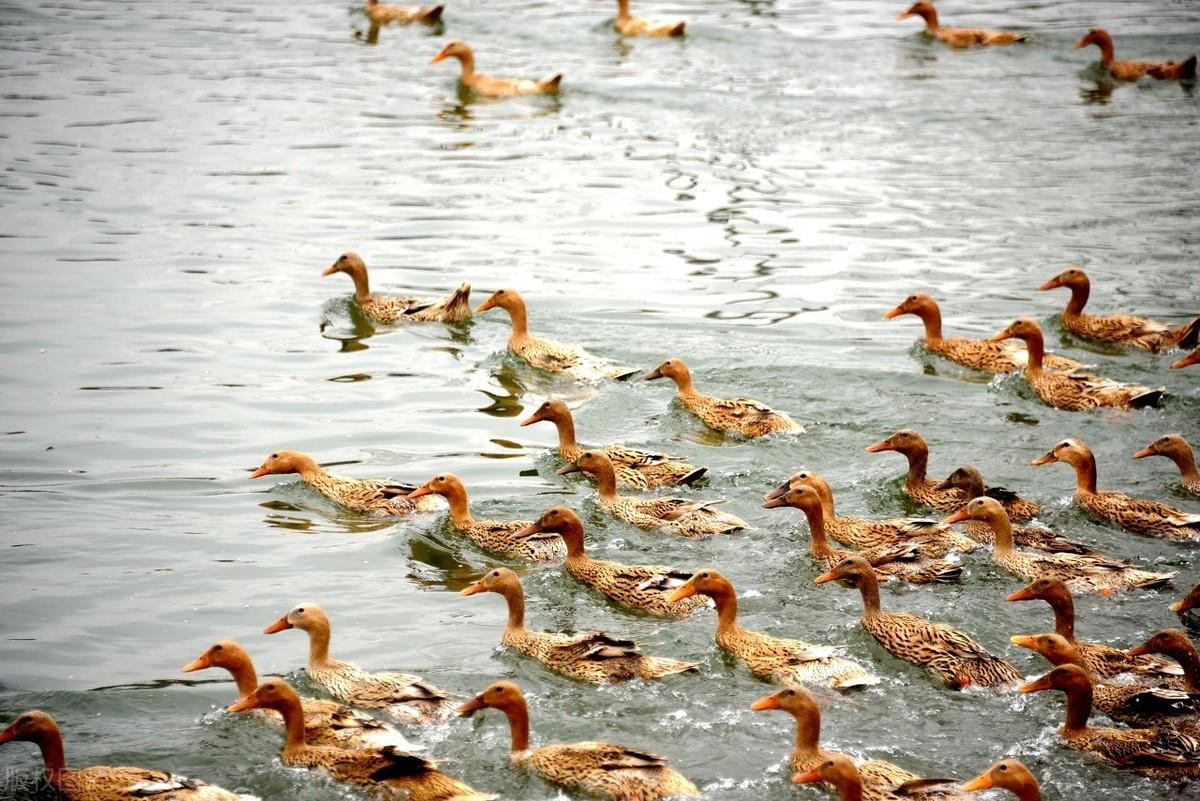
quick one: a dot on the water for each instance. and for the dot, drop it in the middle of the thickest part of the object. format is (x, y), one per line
(752, 199)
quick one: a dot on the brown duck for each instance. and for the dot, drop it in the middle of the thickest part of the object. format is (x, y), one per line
(739, 415)
(1175, 644)
(1008, 774)
(840, 771)
(1133, 70)
(917, 485)
(957, 37)
(1189, 601)
(389, 309)
(384, 14)
(1177, 449)
(368, 496)
(488, 85)
(629, 25)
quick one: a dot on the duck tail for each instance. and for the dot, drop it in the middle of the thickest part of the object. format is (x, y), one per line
(947, 573)
(692, 477)
(1150, 397)
(1188, 334)
(457, 306)
(654, 667)
(550, 85)
(680, 29)
(431, 15)
(1187, 70)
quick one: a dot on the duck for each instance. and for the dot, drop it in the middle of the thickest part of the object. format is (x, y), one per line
(1177, 449)
(774, 659)
(957, 37)
(366, 496)
(629, 25)
(384, 14)
(636, 469)
(389, 309)
(325, 722)
(933, 538)
(1146, 517)
(488, 86)
(878, 776)
(400, 696)
(917, 485)
(101, 782)
(1119, 329)
(1103, 661)
(840, 771)
(970, 481)
(1188, 360)
(1177, 645)
(683, 516)
(977, 354)
(592, 656)
(543, 354)
(642, 587)
(899, 560)
(1159, 753)
(1007, 774)
(949, 653)
(742, 416)
(1135, 70)
(388, 772)
(497, 536)
(596, 768)
(1189, 601)
(1075, 391)
(1093, 573)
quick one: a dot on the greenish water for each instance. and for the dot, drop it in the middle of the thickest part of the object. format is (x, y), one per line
(752, 199)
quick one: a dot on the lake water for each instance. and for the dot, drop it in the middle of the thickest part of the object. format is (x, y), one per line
(177, 175)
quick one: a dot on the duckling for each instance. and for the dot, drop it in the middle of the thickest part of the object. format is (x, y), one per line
(1133, 70)
(497, 536)
(1121, 329)
(1074, 392)
(1175, 644)
(367, 496)
(1102, 661)
(1177, 449)
(1008, 774)
(629, 25)
(950, 653)
(1189, 601)
(899, 560)
(1095, 573)
(383, 14)
(603, 769)
(958, 37)
(636, 469)
(325, 722)
(1146, 517)
(542, 353)
(1187, 361)
(593, 656)
(388, 772)
(840, 771)
(642, 587)
(103, 783)
(978, 354)
(401, 696)
(689, 518)
(774, 659)
(917, 485)
(1159, 753)
(489, 86)
(388, 309)
(740, 415)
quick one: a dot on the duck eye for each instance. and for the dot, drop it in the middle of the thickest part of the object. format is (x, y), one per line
(495, 574)
(499, 291)
(1003, 767)
(441, 478)
(218, 647)
(790, 693)
(703, 575)
(300, 611)
(274, 455)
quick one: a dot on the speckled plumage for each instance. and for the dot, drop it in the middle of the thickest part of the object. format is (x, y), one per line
(367, 496)
(917, 485)
(389, 309)
(743, 416)
(490, 86)
(383, 14)
(958, 37)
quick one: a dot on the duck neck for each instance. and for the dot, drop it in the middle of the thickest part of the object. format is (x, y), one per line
(931, 19)
(1106, 58)
(460, 509)
(244, 675)
(1189, 660)
(869, 588)
(1080, 292)
(1185, 460)
(606, 482)
(467, 62)
(622, 9)
(572, 536)
(918, 463)
(311, 473)
(1036, 347)
(293, 721)
(518, 726)
(516, 311)
(827, 506)
(932, 318)
(1027, 791)
(1079, 708)
(684, 383)
(726, 601)
(808, 734)
(1002, 528)
(362, 286)
(515, 597)
(318, 645)
(816, 525)
(1085, 476)
(851, 789)
(1064, 615)
(54, 758)
(568, 448)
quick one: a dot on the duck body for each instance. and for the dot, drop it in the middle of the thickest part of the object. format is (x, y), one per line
(489, 86)
(385, 14)
(917, 485)
(958, 37)
(390, 309)
(366, 496)
(1117, 329)
(1177, 449)
(1184, 70)
(628, 25)
(742, 416)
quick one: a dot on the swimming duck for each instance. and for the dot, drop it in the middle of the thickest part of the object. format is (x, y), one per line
(783, 661)
(1122, 329)
(1175, 644)
(325, 722)
(957, 37)
(689, 518)
(917, 485)
(387, 771)
(978, 354)
(852, 785)
(898, 560)
(950, 653)
(593, 656)
(629, 25)
(1146, 517)
(100, 782)
(544, 354)
(1187, 361)
(636, 469)
(1007, 774)
(642, 587)
(603, 769)
(1074, 392)
(740, 415)
(1093, 573)
(970, 482)
(1133, 70)
(1189, 601)
(489, 86)
(389, 309)
(1160, 753)
(367, 496)
(399, 695)
(497, 536)
(1103, 661)
(1177, 449)
(384, 14)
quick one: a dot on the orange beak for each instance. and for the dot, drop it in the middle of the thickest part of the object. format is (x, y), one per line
(1023, 640)
(958, 516)
(808, 777)
(1048, 458)
(904, 15)
(441, 55)
(1037, 685)
(260, 472)
(780, 491)
(769, 702)
(490, 303)
(978, 783)
(531, 419)
(475, 588)
(882, 445)
(530, 530)
(1002, 335)
(686, 591)
(278, 626)
(201, 662)
(1081, 43)
(329, 270)
(1144, 452)
(1023, 594)
(653, 374)
(896, 312)
(7, 735)
(1191, 358)
(569, 467)
(1140, 650)
(244, 703)
(472, 706)
(776, 502)
(825, 578)
(1056, 281)
(419, 492)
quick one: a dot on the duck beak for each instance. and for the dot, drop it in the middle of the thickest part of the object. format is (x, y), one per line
(1056, 281)
(1141, 650)
(419, 492)
(904, 15)
(945, 485)
(278, 626)
(896, 312)
(1046, 458)
(1001, 336)
(1023, 640)
(530, 530)
(201, 662)
(808, 777)
(958, 516)
(769, 702)
(1081, 43)
(472, 706)
(8, 735)
(982, 782)
(653, 374)
(260, 472)
(878, 447)
(825, 577)
(1144, 452)
(1191, 358)
(569, 467)
(1035, 686)
(536, 417)
(1023, 594)
(441, 55)
(474, 589)
(490, 303)
(243, 703)
(686, 591)
(780, 491)
(330, 270)
(776, 502)
(1183, 605)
